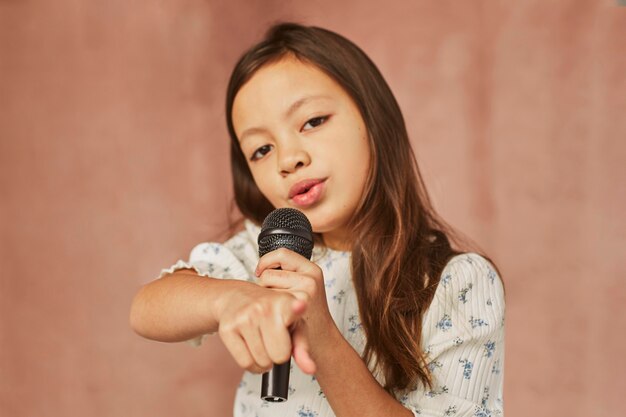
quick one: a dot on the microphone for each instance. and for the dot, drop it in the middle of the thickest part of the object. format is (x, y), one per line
(283, 228)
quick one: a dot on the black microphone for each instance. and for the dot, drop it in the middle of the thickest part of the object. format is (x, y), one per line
(283, 228)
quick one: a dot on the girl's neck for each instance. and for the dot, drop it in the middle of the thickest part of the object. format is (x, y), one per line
(337, 242)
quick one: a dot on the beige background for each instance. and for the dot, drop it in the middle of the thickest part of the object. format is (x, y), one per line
(114, 163)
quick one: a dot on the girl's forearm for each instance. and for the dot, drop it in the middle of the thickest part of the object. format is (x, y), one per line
(348, 384)
(179, 306)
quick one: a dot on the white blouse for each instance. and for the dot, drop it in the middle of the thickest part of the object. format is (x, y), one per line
(462, 336)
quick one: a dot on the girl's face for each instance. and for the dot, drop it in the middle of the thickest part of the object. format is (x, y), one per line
(295, 124)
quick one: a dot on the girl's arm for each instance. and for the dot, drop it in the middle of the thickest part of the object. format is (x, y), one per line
(349, 385)
(464, 328)
(342, 375)
(183, 305)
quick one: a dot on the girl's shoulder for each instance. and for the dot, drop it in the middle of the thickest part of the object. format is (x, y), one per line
(468, 302)
(467, 267)
(468, 280)
(243, 244)
(235, 258)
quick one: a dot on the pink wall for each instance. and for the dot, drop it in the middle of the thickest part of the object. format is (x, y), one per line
(113, 164)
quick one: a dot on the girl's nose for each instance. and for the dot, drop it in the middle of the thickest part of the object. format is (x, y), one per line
(289, 160)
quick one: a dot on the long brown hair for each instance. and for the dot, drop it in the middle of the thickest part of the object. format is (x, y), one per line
(401, 246)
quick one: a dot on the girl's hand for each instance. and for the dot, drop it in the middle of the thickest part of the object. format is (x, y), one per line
(255, 323)
(304, 280)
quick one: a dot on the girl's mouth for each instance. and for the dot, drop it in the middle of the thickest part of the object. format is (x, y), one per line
(309, 196)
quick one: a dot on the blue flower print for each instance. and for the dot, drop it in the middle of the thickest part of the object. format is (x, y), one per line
(492, 275)
(495, 369)
(306, 412)
(477, 322)
(434, 365)
(329, 283)
(467, 368)
(457, 341)
(446, 280)
(489, 302)
(339, 296)
(490, 346)
(212, 248)
(354, 323)
(463, 293)
(482, 412)
(435, 392)
(450, 411)
(445, 323)
(485, 397)
(404, 400)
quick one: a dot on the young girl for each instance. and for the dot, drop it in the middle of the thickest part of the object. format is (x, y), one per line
(387, 319)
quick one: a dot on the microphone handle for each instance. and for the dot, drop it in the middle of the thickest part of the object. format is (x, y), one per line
(275, 382)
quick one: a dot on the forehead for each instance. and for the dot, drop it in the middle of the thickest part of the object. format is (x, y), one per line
(274, 87)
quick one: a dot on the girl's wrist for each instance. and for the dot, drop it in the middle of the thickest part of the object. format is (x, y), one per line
(324, 343)
(229, 289)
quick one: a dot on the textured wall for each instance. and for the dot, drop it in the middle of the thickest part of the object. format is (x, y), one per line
(113, 164)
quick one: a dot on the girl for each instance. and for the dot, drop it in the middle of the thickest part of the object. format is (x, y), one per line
(387, 319)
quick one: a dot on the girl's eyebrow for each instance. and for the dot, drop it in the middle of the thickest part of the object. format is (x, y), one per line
(300, 102)
(292, 109)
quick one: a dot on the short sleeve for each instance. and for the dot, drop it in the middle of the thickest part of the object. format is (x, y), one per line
(463, 338)
(236, 258)
(213, 260)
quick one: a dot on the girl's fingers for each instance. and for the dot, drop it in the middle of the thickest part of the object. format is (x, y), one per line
(276, 339)
(301, 286)
(258, 341)
(238, 350)
(287, 260)
(277, 278)
(276, 331)
(299, 307)
(254, 342)
(301, 351)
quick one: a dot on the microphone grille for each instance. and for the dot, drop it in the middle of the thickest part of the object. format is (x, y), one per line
(287, 218)
(296, 233)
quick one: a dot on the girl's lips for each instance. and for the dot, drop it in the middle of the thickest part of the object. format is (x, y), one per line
(304, 185)
(311, 197)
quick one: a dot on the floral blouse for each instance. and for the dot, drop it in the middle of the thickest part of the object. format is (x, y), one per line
(462, 336)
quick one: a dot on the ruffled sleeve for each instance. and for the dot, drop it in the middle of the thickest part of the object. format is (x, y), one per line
(236, 258)
(214, 260)
(463, 337)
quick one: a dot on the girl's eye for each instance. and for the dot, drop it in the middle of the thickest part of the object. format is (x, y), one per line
(259, 153)
(315, 122)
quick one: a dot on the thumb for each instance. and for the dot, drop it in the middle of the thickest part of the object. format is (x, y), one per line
(301, 350)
